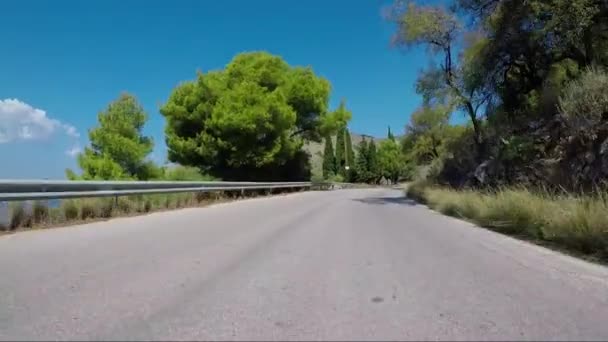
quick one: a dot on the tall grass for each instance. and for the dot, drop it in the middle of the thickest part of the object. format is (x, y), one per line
(578, 223)
(79, 210)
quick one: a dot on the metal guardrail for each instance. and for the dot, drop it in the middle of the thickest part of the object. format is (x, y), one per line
(16, 190)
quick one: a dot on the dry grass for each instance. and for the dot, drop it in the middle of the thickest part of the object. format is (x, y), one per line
(579, 223)
(82, 210)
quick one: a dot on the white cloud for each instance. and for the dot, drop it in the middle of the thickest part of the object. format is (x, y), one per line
(70, 130)
(74, 150)
(19, 121)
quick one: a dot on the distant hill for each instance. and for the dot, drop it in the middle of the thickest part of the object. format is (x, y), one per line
(316, 150)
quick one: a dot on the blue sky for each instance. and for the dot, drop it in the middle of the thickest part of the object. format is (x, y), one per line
(64, 61)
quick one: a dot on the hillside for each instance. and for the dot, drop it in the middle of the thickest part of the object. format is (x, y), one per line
(316, 150)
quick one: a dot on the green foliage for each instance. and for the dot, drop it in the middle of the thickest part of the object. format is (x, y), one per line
(391, 162)
(584, 104)
(184, 173)
(19, 216)
(456, 82)
(336, 120)
(426, 25)
(87, 209)
(249, 120)
(372, 162)
(367, 166)
(40, 212)
(118, 149)
(329, 160)
(337, 178)
(426, 133)
(517, 71)
(350, 157)
(390, 135)
(70, 209)
(340, 152)
(361, 162)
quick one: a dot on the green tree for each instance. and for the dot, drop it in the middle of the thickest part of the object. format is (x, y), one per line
(350, 157)
(390, 135)
(118, 148)
(329, 160)
(456, 82)
(340, 152)
(341, 115)
(428, 128)
(184, 173)
(248, 121)
(390, 160)
(372, 163)
(361, 162)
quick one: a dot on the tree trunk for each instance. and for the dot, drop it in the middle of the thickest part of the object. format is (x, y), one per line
(478, 134)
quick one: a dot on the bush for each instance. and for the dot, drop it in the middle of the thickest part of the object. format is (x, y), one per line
(336, 178)
(87, 209)
(125, 205)
(202, 196)
(40, 212)
(70, 210)
(147, 205)
(584, 102)
(105, 207)
(185, 173)
(317, 178)
(20, 217)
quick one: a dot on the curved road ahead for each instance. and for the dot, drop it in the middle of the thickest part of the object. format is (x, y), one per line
(341, 265)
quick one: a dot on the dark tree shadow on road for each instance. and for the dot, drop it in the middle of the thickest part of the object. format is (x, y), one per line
(386, 200)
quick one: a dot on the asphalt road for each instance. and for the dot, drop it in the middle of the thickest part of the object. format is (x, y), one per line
(341, 265)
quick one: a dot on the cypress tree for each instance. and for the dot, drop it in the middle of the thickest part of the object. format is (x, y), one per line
(390, 134)
(340, 152)
(350, 157)
(329, 161)
(361, 165)
(372, 162)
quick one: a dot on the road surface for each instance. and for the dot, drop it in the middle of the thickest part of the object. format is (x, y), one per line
(341, 265)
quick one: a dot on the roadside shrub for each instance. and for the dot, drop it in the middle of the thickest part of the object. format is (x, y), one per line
(577, 222)
(336, 178)
(87, 209)
(105, 207)
(56, 215)
(70, 210)
(147, 205)
(202, 196)
(40, 212)
(20, 217)
(185, 173)
(584, 103)
(168, 202)
(125, 205)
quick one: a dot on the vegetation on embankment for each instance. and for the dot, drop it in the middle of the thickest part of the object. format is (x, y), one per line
(576, 223)
(75, 211)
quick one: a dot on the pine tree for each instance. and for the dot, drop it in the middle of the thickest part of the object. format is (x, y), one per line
(340, 152)
(118, 148)
(350, 157)
(329, 160)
